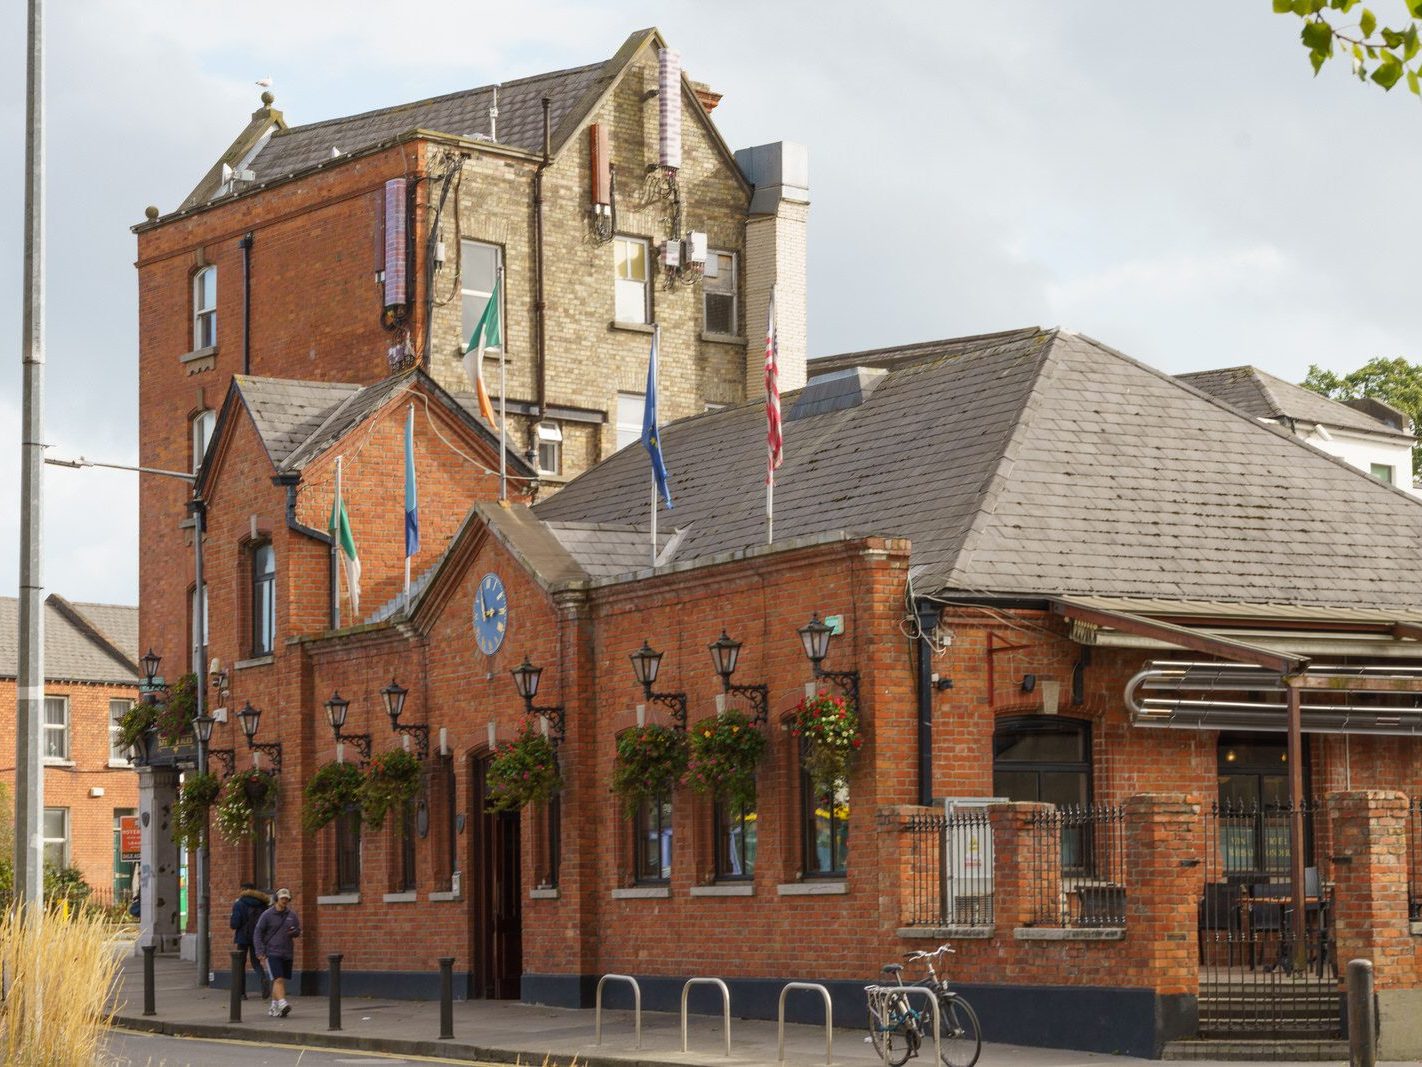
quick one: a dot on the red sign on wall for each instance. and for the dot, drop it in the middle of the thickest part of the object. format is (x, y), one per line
(130, 839)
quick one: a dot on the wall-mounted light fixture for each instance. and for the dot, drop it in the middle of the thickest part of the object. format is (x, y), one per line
(250, 718)
(815, 637)
(336, 709)
(526, 677)
(725, 653)
(394, 697)
(646, 663)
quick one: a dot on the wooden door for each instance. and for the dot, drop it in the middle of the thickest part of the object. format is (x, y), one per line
(497, 901)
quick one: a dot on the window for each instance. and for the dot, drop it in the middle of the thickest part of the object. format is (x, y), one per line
(630, 408)
(652, 840)
(550, 447)
(735, 842)
(56, 728)
(348, 851)
(56, 837)
(630, 257)
(479, 265)
(202, 425)
(263, 599)
(123, 869)
(1045, 758)
(264, 849)
(406, 829)
(1254, 824)
(718, 294)
(555, 838)
(826, 822)
(1383, 472)
(118, 708)
(205, 308)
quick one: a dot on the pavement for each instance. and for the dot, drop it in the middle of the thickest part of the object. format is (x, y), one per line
(499, 1032)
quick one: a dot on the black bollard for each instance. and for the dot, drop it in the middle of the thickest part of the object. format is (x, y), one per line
(148, 1004)
(446, 997)
(1362, 1017)
(333, 999)
(239, 985)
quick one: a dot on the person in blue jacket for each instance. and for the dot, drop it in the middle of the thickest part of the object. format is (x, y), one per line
(246, 910)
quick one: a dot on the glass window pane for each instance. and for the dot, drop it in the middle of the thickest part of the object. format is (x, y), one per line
(478, 266)
(55, 711)
(472, 310)
(1015, 785)
(207, 289)
(631, 301)
(630, 407)
(637, 261)
(720, 314)
(1040, 746)
(1063, 788)
(56, 822)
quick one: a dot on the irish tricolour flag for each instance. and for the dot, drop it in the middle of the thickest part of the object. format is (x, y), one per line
(344, 542)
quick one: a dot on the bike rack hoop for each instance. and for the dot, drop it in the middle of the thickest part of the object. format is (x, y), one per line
(636, 1005)
(829, 1018)
(876, 991)
(725, 1007)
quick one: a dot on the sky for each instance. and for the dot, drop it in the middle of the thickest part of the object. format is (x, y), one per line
(1170, 179)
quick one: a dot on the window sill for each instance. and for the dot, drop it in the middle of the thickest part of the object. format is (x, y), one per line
(812, 889)
(1069, 933)
(724, 889)
(255, 661)
(723, 339)
(410, 897)
(631, 327)
(642, 892)
(199, 354)
(1415, 929)
(120, 765)
(444, 895)
(945, 933)
(50, 761)
(547, 892)
(338, 899)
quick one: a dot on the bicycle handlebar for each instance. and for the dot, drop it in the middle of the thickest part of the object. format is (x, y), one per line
(914, 957)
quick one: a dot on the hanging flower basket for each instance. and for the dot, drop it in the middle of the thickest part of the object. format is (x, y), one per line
(523, 771)
(828, 728)
(334, 788)
(650, 761)
(725, 752)
(174, 720)
(196, 797)
(243, 795)
(391, 780)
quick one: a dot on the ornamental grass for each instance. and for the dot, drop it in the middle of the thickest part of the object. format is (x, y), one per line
(60, 967)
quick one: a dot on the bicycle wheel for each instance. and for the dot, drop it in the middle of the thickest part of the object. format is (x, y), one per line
(962, 1039)
(893, 1030)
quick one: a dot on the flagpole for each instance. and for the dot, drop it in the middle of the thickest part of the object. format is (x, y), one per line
(336, 540)
(656, 346)
(770, 343)
(503, 397)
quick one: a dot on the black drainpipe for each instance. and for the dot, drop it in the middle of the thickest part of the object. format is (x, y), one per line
(538, 309)
(246, 245)
(927, 623)
(291, 481)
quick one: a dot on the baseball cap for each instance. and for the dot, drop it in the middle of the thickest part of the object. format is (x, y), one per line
(283, 894)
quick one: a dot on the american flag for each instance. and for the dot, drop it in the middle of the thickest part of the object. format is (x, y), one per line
(773, 439)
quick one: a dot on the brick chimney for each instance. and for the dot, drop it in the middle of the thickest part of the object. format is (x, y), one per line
(775, 256)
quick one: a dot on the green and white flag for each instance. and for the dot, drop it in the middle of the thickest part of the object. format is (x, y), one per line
(340, 528)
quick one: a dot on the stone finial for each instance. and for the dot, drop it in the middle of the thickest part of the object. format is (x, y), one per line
(267, 98)
(150, 213)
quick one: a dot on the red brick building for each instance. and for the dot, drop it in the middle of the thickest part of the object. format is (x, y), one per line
(92, 678)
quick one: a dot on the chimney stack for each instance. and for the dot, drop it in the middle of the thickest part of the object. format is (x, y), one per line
(775, 256)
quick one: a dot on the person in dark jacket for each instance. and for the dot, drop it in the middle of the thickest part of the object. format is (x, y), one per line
(276, 930)
(246, 910)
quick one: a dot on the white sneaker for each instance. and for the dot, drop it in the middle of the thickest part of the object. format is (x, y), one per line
(284, 1009)
(273, 1010)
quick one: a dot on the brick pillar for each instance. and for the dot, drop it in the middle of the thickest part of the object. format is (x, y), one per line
(1026, 866)
(1163, 888)
(1369, 853)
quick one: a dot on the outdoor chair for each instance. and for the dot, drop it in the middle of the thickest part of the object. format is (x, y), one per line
(1220, 910)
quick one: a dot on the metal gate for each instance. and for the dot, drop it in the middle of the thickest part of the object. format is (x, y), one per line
(1255, 979)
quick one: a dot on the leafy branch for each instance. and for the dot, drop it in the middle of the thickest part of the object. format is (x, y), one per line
(1384, 55)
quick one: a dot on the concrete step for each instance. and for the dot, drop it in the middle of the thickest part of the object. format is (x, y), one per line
(1242, 1048)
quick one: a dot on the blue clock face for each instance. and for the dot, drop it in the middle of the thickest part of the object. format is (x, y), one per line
(491, 614)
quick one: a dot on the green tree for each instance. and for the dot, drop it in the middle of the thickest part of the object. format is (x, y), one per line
(7, 847)
(1381, 54)
(1394, 381)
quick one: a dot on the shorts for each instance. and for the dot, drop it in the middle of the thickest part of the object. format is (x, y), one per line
(278, 967)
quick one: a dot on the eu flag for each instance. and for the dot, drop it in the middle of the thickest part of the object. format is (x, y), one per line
(651, 436)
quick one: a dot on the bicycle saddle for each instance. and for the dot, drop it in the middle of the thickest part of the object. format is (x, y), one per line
(892, 968)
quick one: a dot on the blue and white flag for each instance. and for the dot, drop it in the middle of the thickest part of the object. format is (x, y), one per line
(412, 507)
(651, 437)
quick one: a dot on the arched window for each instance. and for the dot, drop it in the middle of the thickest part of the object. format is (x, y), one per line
(263, 599)
(1044, 758)
(202, 426)
(205, 308)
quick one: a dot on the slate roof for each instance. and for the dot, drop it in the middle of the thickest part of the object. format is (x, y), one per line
(461, 114)
(1036, 462)
(1264, 396)
(604, 550)
(82, 642)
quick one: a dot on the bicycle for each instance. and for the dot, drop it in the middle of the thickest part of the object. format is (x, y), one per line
(897, 1029)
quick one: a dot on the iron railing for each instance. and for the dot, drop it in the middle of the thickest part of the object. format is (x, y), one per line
(949, 868)
(1414, 859)
(1076, 860)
